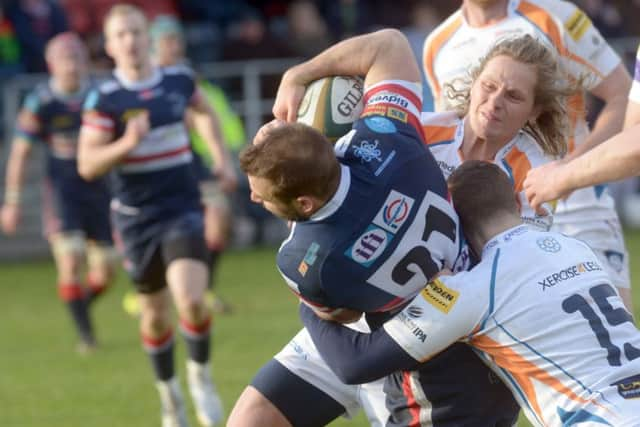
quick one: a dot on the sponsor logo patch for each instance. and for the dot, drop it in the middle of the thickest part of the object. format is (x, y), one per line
(568, 273)
(309, 259)
(389, 98)
(128, 114)
(577, 24)
(369, 246)
(629, 388)
(615, 259)
(407, 321)
(397, 114)
(380, 124)
(394, 211)
(440, 296)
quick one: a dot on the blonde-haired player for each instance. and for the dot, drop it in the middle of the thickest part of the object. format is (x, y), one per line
(465, 36)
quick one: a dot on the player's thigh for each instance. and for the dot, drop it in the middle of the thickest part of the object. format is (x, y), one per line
(253, 409)
(68, 249)
(298, 375)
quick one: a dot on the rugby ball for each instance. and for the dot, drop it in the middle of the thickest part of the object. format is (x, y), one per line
(331, 105)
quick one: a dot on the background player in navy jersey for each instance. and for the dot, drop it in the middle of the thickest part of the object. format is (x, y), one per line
(75, 212)
(373, 225)
(133, 127)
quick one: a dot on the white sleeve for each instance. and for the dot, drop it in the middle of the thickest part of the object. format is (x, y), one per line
(441, 314)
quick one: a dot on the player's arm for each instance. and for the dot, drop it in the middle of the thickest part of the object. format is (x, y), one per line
(206, 123)
(16, 164)
(355, 357)
(382, 55)
(97, 152)
(613, 90)
(616, 158)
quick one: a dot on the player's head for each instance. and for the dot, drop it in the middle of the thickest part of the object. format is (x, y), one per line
(66, 57)
(483, 197)
(518, 85)
(487, 3)
(293, 172)
(127, 37)
(167, 38)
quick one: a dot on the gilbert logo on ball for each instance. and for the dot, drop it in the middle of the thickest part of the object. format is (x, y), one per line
(331, 105)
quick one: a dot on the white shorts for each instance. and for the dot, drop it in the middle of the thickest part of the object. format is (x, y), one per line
(301, 357)
(606, 239)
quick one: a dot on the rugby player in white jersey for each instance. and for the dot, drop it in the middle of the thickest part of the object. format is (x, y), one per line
(539, 308)
(466, 35)
(133, 128)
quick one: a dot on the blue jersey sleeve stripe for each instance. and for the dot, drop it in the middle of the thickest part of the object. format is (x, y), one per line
(492, 288)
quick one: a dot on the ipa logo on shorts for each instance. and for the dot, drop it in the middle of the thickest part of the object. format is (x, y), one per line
(369, 246)
(394, 212)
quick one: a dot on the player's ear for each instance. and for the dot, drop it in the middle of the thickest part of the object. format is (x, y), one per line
(306, 205)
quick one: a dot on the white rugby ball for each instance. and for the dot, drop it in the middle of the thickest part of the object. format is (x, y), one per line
(331, 105)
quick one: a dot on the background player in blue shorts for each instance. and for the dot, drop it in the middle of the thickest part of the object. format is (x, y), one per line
(372, 225)
(75, 212)
(133, 128)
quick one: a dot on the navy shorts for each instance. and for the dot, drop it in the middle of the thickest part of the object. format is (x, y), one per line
(149, 246)
(77, 208)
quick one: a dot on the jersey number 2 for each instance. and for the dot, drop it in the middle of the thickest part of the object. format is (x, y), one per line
(614, 317)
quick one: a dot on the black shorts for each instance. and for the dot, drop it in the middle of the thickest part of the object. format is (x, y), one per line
(149, 247)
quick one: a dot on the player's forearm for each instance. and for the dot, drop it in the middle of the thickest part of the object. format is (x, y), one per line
(355, 357)
(96, 160)
(15, 171)
(617, 158)
(609, 122)
(208, 127)
(378, 55)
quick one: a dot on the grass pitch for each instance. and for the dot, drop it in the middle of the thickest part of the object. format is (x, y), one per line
(43, 382)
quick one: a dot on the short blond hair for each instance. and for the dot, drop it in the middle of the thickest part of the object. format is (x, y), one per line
(551, 129)
(122, 9)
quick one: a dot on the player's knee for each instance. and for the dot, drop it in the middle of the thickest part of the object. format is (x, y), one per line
(253, 409)
(154, 322)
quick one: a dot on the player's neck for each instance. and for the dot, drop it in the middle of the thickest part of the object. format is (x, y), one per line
(65, 88)
(491, 228)
(136, 74)
(482, 16)
(477, 148)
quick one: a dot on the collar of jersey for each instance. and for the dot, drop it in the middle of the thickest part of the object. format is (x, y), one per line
(78, 94)
(153, 80)
(503, 237)
(338, 198)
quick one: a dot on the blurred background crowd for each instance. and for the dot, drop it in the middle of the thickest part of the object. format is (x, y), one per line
(219, 31)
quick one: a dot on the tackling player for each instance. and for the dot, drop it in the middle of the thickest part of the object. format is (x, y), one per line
(539, 308)
(133, 128)
(372, 225)
(75, 212)
(465, 37)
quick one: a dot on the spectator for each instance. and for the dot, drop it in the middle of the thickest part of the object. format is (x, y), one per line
(308, 33)
(35, 22)
(9, 48)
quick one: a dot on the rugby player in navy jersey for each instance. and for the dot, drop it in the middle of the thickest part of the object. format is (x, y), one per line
(75, 212)
(133, 128)
(372, 225)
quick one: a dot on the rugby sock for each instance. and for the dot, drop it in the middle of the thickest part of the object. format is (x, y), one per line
(198, 339)
(160, 351)
(95, 289)
(73, 296)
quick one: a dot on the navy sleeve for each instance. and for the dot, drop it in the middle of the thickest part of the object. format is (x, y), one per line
(355, 357)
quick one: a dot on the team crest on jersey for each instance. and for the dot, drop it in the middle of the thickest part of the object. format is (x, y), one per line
(394, 212)
(548, 244)
(380, 124)
(367, 151)
(440, 296)
(369, 246)
(629, 388)
(62, 121)
(309, 259)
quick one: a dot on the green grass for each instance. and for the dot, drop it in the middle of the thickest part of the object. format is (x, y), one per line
(43, 382)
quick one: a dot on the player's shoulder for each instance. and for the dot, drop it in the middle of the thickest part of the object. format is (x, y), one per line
(108, 85)
(39, 96)
(438, 37)
(440, 127)
(179, 70)
(555, 9)
(525, 145)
